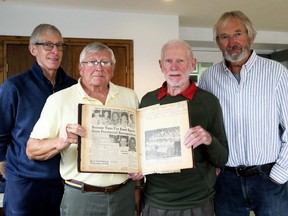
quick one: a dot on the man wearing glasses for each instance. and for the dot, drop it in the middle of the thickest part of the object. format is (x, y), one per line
(33, 187)
(57, 131)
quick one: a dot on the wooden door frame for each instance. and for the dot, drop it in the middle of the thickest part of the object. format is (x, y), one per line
(128, 44)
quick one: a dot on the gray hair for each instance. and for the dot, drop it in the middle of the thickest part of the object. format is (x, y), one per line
(36, 34)
(238, 15)
(176, 42)
(94, 48)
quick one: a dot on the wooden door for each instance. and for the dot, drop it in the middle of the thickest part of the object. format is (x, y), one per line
(19, 59)
(15, 57)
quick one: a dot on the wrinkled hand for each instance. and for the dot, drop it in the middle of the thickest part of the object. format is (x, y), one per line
(70, 133)
(196, 136)
(135, 176)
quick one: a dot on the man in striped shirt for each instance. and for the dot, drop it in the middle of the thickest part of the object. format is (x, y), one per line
(253, 92)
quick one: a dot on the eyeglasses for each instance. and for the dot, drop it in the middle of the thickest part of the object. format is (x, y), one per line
(48, 46)
(95, 63)
(225, 37)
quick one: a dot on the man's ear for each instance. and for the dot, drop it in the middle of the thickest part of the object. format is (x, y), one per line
(33, 50)
(80, 68)
(193, 63)
(160, 64)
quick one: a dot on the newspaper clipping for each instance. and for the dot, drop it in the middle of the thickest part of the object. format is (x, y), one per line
(131, 141)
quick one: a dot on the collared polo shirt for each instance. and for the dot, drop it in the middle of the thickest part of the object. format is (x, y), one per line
(61, 109)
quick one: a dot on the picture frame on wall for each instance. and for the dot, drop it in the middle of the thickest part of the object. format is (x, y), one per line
(199, 69)
(203, 66)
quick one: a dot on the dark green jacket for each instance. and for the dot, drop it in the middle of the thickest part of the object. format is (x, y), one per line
(191, 187)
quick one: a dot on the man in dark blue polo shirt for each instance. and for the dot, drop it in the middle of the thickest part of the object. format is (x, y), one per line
(32, 187)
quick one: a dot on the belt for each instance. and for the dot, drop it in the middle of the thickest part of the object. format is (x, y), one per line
(91, 188)
(245, 171)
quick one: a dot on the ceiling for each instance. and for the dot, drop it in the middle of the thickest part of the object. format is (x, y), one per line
(266, 15)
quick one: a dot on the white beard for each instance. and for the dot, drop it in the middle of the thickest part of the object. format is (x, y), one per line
(236, 57)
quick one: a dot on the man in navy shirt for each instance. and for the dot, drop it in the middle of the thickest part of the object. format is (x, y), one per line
(32, 187)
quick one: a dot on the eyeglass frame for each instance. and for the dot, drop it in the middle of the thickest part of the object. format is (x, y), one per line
(48, 46)
(95, 63)
(235, 36)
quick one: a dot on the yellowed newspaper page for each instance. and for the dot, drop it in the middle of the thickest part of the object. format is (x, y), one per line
(110, 144)
(161, 129)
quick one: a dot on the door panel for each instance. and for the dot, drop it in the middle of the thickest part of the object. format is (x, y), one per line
(120, 75)
(15, 57)
(19, 59)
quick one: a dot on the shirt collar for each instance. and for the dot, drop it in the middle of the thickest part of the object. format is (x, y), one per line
(113, 91)
(188, 93)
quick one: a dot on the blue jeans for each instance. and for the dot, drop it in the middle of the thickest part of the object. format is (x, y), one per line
(238, 196)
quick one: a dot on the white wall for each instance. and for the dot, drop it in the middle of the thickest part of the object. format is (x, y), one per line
(149, 32)
(208, 56)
